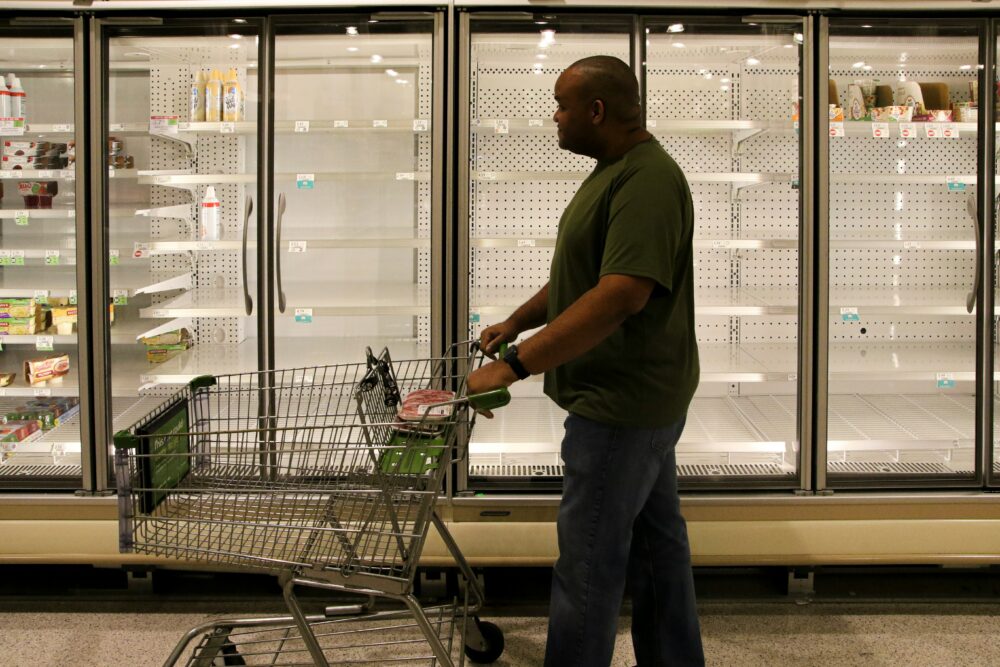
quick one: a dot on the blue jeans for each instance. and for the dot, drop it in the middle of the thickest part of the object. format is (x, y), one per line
(620, 518)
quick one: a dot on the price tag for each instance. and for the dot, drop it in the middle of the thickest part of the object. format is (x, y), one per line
(120, 297)
(405, 176)
(305, 181)
(380, 123)
(837, 130)
(911, 245)
(160, 313)
(526, 243)
(161, 180)
(487, 176)
(795, 125)
(184, 126)
(68, 174)
(849, 315)
(946, 380)
(793, 377)
(11, 127)
(62, 128)
(950, 131)
(167, 125)
(114, 257)
(51, 258)
(140, 250)
(536, 122)
(304, 315)
(956, 184)
(42, 296)
(44, 343)
(227, 127)
(4, 257)
(72, 297)
(116, 127)
(147, 379)
(17, 257)
(908, 130)
(341, 123)
(721, 243)
(420, 125)
(880, 130)
(111, 172)
(21, 217)
(474, 317)
(42, 391)
(301, 126)
(430, 410)
(296, 246)
(501, 126)
(47, 173)
(932, 130)
(650, 123)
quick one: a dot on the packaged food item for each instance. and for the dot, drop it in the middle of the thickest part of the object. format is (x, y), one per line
(232, 97)
(166, 345)
(974, 92)
(856, 109)
(26, 147)
(934, 116)
(197, 106)
(210, 218)
(17, 162)
(6, 379)
(38, 194)
(20, 326)
(908, 95)
(965, 112)
(836, 114)
(17, 307)
(18, 98)
(37, 371)
(213, 97)
(416, 405)
(892, 114)
(4, 100)
(169, 338)
(19, 431)
(46, 412)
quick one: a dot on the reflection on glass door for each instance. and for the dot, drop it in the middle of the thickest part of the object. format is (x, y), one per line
(355, 165)
(182, 161)
(723, 99)
(903, 173)
(40, 439)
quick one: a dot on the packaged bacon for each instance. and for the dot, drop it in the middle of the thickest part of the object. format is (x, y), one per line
(416, 405)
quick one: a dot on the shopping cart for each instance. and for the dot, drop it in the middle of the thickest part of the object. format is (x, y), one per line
(327, 476)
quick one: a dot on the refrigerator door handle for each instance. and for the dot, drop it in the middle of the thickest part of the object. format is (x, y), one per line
(970, 298)
(247, 300)
(277, 252)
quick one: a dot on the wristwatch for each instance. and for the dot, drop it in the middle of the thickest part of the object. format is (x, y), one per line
(510, 358)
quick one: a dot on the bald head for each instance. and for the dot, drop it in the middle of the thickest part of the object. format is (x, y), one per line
(612, 81)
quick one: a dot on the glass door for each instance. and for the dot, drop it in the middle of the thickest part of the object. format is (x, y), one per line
(723, 97)
(41, 250)
(517, 183)
(181, 138)
(901, 252)
(357, 187)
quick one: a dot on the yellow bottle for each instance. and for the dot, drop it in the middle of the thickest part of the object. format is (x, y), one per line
(213, 97)
(198, 98)
(232, 98)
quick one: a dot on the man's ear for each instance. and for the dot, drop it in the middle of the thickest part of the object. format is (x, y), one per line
(597, 111)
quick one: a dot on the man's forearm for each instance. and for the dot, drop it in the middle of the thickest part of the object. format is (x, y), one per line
(533, 313)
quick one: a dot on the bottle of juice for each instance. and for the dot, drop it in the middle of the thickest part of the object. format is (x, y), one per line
(232, 98)
(198, 97)
(18, 99)
(213, 97)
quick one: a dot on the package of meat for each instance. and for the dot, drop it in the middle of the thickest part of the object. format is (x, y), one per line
(416, 405)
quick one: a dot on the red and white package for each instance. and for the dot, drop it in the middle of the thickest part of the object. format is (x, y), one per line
(416, 405)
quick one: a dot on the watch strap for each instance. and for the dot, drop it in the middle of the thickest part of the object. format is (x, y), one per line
(515, 364)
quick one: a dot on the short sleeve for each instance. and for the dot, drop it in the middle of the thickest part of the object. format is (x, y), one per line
(646, 226)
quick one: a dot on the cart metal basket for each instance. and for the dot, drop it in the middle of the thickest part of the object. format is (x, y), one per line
(314, 473)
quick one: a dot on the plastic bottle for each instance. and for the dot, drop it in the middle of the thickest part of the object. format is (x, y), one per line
(232, 98)
(18, 100)
(4, 99)
(211, 214)
(213, 97)
(198, 97)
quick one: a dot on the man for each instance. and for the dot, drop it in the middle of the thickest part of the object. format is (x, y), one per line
(619, 354)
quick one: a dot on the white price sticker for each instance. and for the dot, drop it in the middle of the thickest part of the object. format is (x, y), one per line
(950, 131)
(487, 176)
(945, 380)
(140, 250)
(908, 130)
(880, 130)
(12, 127)
(47, 173)
(420, 125)
(405, 176)
(41, 296)
(147, 379)
(111, 172)
(380, 123)
(911, 245)
(21, 217)
(301, 126)
(721, 243)
(167, 125)
(837, 130)
(114, 257)
(116, 127)
(44, 343)
(4, 257)
(792, 377)
(62, 128)
(501, 126)
(297, 246)
(17, 257)
(956, 184)
(42, 391)
(536, 122)
(72, 297)
(159, 313)
(849, 314)
(184, 126)
(120, 297)
(434, 411)
(526, 243)
(51, 258)
(68, 174)
(933, 130)
(304, 315)
(341, 123)
(650, 123)
(227, 128)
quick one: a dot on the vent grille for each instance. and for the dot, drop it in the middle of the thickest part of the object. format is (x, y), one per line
(890, 468)
(40, 471)
(733, 470)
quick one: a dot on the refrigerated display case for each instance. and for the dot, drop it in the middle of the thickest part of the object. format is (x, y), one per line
(42, 248)
(902, 241)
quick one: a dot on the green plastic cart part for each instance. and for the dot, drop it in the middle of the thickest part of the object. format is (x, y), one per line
(126, 440)
(490, 400)
(411, 454)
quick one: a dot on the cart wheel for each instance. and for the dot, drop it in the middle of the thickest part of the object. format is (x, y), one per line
(492, 638)
(230, 656)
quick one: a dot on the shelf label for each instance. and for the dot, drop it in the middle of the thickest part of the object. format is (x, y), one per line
(17, 257)
(880, 130)
(380, 123)
(184, 126)
(793, 377)
(536, 122)
(406, 176)
(301, 126)
(296, 246)
(4, 257)
(72, 297)
(501, 126)
(474, 317)
(305, 181)
(849, 315)
(721, 243)
(164, 125)
(911, 245)
(42, 391)
(837, 130)
(116, 127)
(44, 343)
(341, 123)
(487, 176)
(21, 217)
(304, 315)
(956, 184)
(526, 243)
(62, 128)
(11, 127)
(950, 131)
(41, 296)
(161, 180)
(140, 250)
(933, 130)
(650, 123)
(47, 173)
(114, 257)
(147, 379)
(946, 380)
(159, 313)
(908, 130)
(420, 125)
(111, 172)
(227, 127)
(68, 174)
(51, 258)
(120, 297)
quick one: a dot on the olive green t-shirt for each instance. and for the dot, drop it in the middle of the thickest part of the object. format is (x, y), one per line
(631, 216)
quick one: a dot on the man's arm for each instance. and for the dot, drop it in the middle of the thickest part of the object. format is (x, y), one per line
(592, 318)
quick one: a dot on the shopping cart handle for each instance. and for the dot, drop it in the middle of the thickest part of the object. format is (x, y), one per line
(489, 400)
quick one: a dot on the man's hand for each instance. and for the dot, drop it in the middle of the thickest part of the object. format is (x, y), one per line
(494, 335)
(494, 375)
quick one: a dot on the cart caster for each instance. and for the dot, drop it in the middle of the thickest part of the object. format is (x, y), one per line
(229, 655)
(492, 644)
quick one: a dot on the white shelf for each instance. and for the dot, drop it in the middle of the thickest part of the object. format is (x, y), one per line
(41, 174)
(131, 374)
(904, 361)
(666, 125)
(152, 177)
(357, 298)
(314, 238)
(881, 422)
(12, 361)
(39, 214)
(898, 301)
(50, 128)
(200, 302)
(734, 178)
(863, 128)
